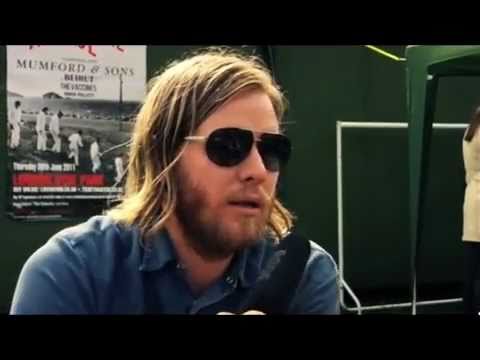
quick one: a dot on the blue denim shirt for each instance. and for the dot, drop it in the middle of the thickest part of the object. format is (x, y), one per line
(98, 267)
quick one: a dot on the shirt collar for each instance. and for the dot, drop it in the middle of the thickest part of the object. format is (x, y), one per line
(246, 265)
(158, 252)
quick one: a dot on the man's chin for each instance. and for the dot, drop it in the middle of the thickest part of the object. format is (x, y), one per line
(243, 238)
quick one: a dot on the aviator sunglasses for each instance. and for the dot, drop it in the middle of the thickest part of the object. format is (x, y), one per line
(230, 146)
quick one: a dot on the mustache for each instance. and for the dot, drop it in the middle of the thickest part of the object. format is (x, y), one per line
(262, 194)
(266, 196)
(258, 196)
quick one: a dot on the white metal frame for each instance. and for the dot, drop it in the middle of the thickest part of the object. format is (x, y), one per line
(341, 264)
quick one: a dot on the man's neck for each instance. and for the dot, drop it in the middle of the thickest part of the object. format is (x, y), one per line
(199, 272)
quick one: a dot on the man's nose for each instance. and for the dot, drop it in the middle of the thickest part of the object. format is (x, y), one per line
(253, 168)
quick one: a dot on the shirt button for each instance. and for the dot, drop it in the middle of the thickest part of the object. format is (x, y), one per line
(230, 280)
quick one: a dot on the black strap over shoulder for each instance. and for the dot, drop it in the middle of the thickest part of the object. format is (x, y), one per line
(275, 289)
(276, 285)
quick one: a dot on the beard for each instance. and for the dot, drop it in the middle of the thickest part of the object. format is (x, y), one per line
(205, 232)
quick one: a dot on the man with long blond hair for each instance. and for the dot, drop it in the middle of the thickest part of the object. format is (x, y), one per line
(199, 219)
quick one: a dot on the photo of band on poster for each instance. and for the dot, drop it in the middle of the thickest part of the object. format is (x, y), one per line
(69, 110)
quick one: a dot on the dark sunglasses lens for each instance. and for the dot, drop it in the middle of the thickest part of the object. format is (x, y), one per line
(229, 146)
(275, 151)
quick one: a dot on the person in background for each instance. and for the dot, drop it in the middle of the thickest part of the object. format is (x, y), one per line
(75, 143)
(15, 122)
(54, 129)
(40, 128)
(471, 215)
(119, 168)
(95, 155)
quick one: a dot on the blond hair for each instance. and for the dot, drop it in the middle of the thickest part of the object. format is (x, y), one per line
(178, 101)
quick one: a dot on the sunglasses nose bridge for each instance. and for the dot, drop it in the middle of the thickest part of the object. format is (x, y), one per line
(255, 158)
(253, 148)
(257, 137)
(261, 153)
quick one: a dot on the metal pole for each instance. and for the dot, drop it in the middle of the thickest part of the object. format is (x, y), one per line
(372, 125)
(340, 210)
